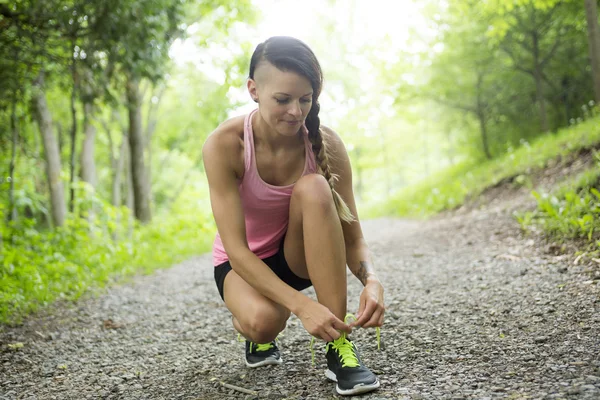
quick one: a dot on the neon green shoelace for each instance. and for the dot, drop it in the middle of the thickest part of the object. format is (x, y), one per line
(345, 349)
(259, 346)
(343, 345)
(263, 347)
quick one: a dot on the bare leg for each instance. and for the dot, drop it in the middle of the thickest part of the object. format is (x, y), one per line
(314, 244)
(314, 248)
(256, 317)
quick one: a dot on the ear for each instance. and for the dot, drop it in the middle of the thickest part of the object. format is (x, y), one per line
(251, 84)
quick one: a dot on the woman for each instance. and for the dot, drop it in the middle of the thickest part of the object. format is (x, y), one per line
(281, 195)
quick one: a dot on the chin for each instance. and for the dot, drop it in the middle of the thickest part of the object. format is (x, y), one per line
(288, 130)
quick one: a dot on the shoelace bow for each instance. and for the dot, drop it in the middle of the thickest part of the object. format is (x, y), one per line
(344, 346)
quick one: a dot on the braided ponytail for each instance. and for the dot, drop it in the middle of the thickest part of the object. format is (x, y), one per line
(319, 147)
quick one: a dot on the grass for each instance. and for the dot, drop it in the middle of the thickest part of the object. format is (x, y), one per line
(571, 212)
(38, 268)
(450, 188)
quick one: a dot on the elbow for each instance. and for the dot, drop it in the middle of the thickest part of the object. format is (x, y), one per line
(237, 256)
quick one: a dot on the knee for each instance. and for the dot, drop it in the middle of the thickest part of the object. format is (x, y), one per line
(313, 188)
(264, 324)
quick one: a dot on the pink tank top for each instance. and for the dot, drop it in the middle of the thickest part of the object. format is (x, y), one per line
(266, 207)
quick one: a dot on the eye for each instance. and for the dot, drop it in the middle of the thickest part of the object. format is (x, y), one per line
(282, 101)
(306, 100)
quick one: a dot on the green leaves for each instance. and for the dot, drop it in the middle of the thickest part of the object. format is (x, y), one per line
(37, 267)
(570, 214)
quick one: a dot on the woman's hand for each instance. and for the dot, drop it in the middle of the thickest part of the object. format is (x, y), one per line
(371, 308)
(320, 322)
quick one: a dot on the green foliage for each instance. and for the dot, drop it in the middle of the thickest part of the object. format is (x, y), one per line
(94, 47)
(451, 187)
(571, 212)
(39, 267)
(479, 63)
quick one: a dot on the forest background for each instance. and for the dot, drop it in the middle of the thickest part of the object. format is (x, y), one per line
(105, 105)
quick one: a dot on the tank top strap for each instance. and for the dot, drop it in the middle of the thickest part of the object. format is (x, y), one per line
(311, 166)
(248, 142)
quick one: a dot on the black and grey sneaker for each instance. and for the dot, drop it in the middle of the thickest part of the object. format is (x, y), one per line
(258, 355)
(346, 368)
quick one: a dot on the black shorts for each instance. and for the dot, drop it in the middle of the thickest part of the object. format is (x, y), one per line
(276, 262)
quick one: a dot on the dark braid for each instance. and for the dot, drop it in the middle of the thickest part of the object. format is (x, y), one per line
(319, 147)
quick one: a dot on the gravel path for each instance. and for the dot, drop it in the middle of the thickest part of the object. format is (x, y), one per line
(474, 310)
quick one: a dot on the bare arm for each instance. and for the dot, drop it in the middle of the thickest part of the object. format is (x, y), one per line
(357, 252)
(371, 308)
(227, 210)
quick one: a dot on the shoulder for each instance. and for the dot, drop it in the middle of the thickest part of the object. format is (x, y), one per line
(225, 146)
(333, 140)
(227, 137)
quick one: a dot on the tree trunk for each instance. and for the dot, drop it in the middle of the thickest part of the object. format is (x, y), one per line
(88, 165)
(539, 90)
(44, 120)
(12, 209)
(73, 139)
(481, 117)
(59, 134)
(151, 121)
(591, 12)
(484, 136)
(116, 164)
(448, 132)
(136, 149)
(118, 174)
(129, 200)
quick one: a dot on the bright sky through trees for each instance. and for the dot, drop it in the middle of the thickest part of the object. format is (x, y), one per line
(357, 23)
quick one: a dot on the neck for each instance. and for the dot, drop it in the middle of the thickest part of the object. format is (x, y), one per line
(274, 140)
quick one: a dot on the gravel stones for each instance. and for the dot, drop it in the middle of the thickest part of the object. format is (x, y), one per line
(474, 311)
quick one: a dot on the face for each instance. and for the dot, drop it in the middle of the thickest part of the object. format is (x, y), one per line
(284, 97)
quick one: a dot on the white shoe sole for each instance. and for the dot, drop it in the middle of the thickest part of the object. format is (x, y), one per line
(268, 361)
(358, 389)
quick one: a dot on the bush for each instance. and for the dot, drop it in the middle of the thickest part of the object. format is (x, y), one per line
(39, 267)
(572, 212)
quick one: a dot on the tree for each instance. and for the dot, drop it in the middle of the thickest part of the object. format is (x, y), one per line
(53, 165)
(591, 12)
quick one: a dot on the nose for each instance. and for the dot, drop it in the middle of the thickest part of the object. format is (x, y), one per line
(295, 109)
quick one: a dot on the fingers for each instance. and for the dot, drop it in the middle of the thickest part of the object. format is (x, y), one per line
(324, 336)
(332, 334)
(366, 315)
(371, 317)
(375, 320)
(361, 309)
(340, 326)
(332, 331)
(327, 333)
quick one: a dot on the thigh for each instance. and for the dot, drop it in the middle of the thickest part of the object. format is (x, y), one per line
(247, 304)
(311, 193)
(293, 244)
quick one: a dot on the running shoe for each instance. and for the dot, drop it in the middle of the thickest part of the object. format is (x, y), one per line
(258, 355)
(346, 368)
